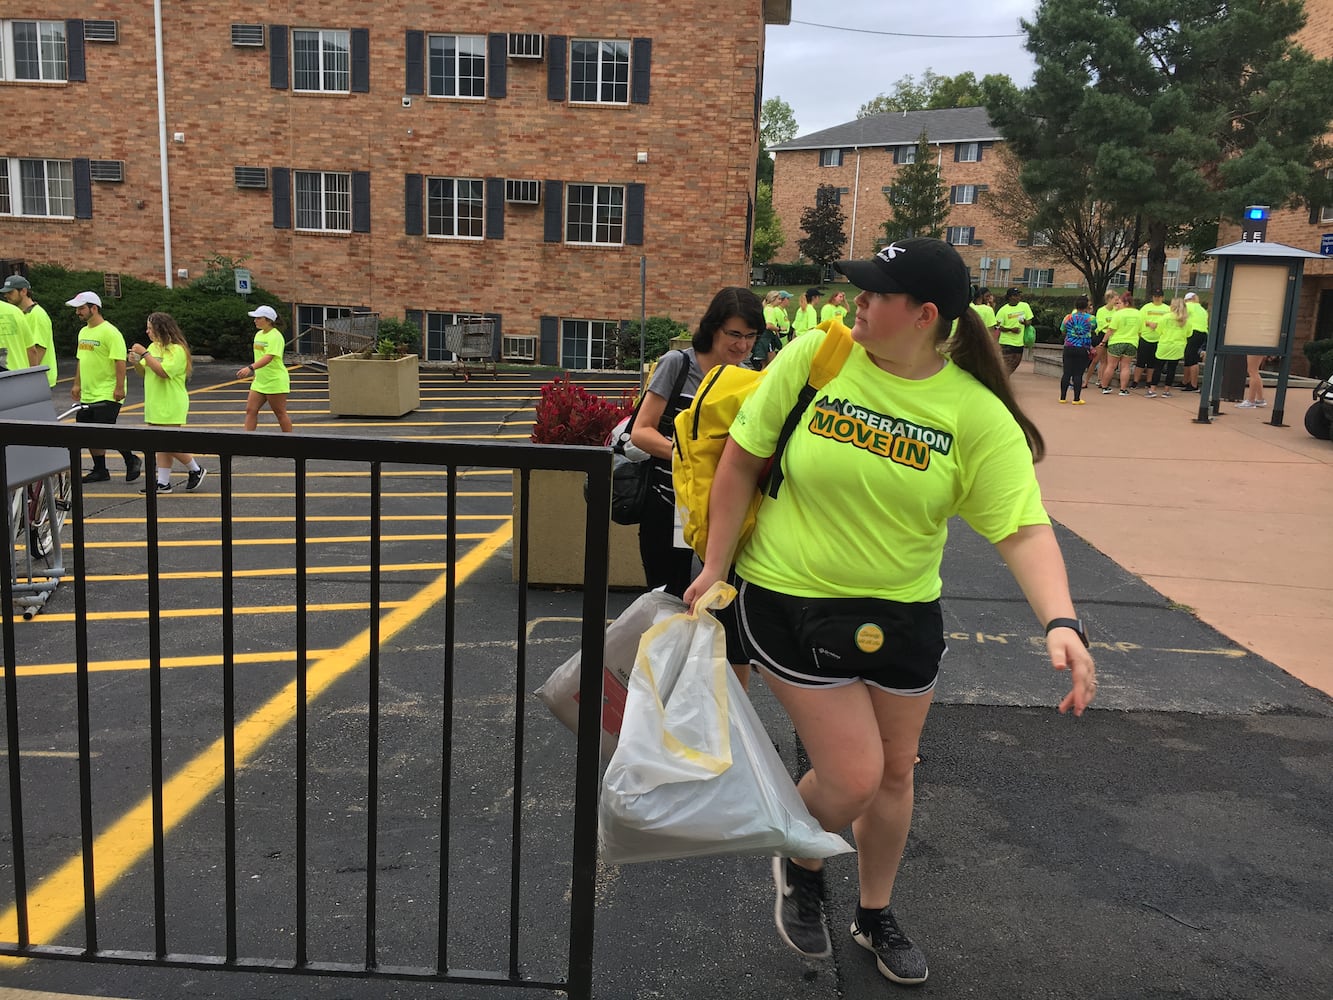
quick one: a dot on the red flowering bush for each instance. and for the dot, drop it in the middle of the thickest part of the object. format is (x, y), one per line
(570, 414)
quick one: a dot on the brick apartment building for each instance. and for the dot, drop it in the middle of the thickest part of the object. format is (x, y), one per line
(860, 158)
(427, 160)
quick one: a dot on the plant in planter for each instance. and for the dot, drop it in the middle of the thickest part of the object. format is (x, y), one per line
(570, 414)
(396, 337)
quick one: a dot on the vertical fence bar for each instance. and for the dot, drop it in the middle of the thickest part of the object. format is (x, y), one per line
(151, 527)
(520, 698)
(302, 652)
(12, 711)
(373, 702)
(447, 713)
(228, 703)
(84, 699)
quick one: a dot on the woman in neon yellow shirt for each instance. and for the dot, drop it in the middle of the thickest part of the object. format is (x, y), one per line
(271, 381)
(1173, 331)
(165, 364)
(836, 307)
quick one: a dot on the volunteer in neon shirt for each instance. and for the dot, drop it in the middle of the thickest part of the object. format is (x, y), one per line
(836, 308)
(1152, 312)
(15, 336)
(983, 303)
(1109, 303)
(271, 381)
(99, 380)
(1172, 334)
(18, 292)
(1010, 319)
(839, 583)
(1122, 344)
(165, 364)
(807, 313)
(1198, 324)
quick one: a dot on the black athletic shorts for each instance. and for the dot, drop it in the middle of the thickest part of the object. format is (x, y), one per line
(1147, 354)
(1192, 348)
(826, 642)
(104, 412)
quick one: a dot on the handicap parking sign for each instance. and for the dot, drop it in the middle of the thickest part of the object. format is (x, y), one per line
(243, 282)
(1326, 244)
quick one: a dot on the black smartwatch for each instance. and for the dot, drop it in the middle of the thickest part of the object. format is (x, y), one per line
(1075, 623)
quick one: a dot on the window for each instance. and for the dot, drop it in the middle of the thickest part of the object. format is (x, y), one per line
(964, 194)
(830, 157)
(1037, 277)
(321, 61)
(33, 50)
(457, 66)
(595, 213)
(960, 236)
(968, 152)
(1326, 213)
(314, 316)
(435, 337)
(323, 201)
(588, 343)
(904, 154)
(599, 71)
(454, 207)
(40, 188)
(1041, 238)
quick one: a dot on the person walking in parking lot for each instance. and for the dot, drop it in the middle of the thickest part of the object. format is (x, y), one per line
(271, 380)
(1010, 319)
(18, 292)
(165, 364)
(99, 380)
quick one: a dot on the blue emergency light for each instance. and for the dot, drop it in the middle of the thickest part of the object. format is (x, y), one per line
(1254, 224)
(1256, 212)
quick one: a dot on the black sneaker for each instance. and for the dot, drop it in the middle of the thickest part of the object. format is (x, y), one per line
(195, 479)
(97, 476)
(895, 954)
(132, 468)
(161, 488)
(799, 909)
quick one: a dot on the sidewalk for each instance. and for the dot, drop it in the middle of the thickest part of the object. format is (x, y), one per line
(1230, 519)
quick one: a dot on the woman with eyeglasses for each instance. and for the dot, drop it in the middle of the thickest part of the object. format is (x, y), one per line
(726, 336)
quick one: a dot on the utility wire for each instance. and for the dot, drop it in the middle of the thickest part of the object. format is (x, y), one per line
(900, 34)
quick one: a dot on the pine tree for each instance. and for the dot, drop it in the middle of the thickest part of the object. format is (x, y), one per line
(824, 225)
(918, 199)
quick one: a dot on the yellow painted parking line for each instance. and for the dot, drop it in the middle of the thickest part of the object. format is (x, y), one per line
(57, 901)
(263, 609)
(427, 567)
(168, 663)
(329, 540)
(310, 519)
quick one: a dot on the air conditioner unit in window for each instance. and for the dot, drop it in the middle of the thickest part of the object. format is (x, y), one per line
(110, 171)
(524, 45)
(101, 31)
(251, 177)
(1003, 264)
(518, 348)
(248, 35)
(523, 192)
(984, 263)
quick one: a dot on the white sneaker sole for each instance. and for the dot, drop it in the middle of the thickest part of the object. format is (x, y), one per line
(864, 941)
(780, 882)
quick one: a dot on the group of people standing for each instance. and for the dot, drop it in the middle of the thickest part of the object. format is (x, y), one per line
(781, 327)
(103, 362)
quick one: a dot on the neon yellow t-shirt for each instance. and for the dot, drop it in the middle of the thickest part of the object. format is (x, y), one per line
(1171, 337)
(1018, 316)
(873, 473)
(986, 313)
(777, 315)
(1125, 327)
(1104, 315)
(100, 347)
(830, 311)
(1152, 312)
(272, 379)
(15, 336)
(166, 400)
(1198, 317)
(807, 318)
(39, 327)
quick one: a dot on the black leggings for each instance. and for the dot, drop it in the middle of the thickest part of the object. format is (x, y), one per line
(663, 563)
(1075, 363)
(1169, 375)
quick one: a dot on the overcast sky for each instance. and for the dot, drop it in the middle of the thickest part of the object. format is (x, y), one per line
(825, 74)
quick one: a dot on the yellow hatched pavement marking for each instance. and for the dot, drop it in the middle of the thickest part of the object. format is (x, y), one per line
(57, 901)
(320, 540)
(168, 663)
(266, 609)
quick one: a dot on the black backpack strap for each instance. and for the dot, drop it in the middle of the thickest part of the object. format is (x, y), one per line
(676, 390)
(675, 394)
(775, 475)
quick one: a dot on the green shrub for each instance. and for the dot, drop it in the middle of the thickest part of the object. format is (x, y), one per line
(1320, 355)
(659, 332)
(792, 274)
(1048, 312)
(401, 335)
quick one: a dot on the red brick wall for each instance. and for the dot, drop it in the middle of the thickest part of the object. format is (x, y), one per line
(698, 131)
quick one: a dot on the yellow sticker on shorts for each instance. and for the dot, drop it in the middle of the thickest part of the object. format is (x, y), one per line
(869, 638)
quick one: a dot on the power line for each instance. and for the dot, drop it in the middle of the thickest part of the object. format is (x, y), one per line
(901, 34)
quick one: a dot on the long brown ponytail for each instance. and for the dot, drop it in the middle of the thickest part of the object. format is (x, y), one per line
(973, 349)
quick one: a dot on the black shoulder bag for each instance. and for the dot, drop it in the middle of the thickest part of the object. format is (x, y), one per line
(631, 480)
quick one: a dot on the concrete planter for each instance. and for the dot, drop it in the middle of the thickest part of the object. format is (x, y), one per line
(374, 387)
(555, 546)
(1047, 359)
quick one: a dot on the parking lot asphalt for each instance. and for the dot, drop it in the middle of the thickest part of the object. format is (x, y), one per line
(1171, 843)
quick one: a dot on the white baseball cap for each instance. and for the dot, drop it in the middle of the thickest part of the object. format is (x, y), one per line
(1191, 295)
(267, 312)
(85, 299)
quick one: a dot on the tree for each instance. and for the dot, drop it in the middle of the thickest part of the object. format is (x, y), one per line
(823, 224)
(777, 123)
(768, 235)
(1174, 111)
(934, 91)
(1062, 223)
(918, 199)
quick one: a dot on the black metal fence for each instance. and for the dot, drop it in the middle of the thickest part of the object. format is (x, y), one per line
(96, 936)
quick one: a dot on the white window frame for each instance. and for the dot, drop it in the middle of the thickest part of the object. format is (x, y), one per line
(333, 189)
(830, 157)
(52, 52)
(966, 194)
(969, 152)
(907, 156)
(1326, 213)
(474, 81)
(612, 61)
(594, 332)
(604, 211)
(309, 315)
(966, 235)
(442, 225)
(25, 194)
(334, 47)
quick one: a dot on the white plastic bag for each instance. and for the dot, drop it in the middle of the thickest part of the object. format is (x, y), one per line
(694, 772)
(561, 690)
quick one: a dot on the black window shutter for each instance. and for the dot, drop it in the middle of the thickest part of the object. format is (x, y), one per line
(1314, 214)
(495, 206)
(897, 154)
(360, 60)
(549, 347)
(76, 67)
(277, 56)
(981, 150)
(497, 59)
(83, 189)
(556, 54)
(495, 334)
(634, 214)
(412, 215)
(281, 179)
(415, 61)
(971, 235)
(360, 201)
(641, 69)
(957, 152)
(953, 194)
(555, 210)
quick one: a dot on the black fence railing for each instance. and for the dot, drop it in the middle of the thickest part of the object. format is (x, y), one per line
(209, 899)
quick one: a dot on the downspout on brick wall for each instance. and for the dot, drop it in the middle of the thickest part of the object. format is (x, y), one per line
(856, 193)
(162, 144)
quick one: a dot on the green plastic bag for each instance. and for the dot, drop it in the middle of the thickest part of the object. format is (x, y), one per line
(1029, 335)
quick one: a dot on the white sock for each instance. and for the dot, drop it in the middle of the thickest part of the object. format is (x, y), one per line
(194, 465)
(163, 476)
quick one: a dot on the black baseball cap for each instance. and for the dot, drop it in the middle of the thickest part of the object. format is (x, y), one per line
(928, 270)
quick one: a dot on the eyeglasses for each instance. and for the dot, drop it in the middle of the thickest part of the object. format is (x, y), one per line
(738, 335)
